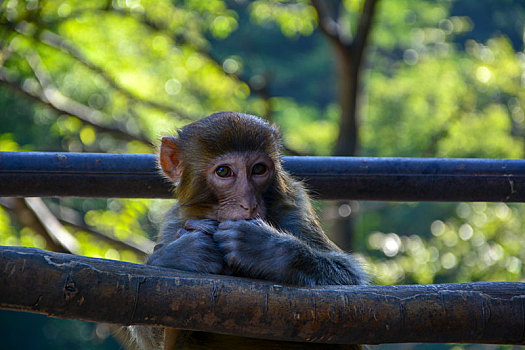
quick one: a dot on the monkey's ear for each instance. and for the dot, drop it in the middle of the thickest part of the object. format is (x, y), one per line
(277, 129)
(170, 158)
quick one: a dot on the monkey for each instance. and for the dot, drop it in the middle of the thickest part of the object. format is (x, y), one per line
(240, 213)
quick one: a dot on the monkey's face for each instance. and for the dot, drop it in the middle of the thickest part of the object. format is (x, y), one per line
(239, 181)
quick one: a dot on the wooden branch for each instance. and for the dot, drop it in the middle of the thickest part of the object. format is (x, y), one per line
(140, 245)
(62, 104)
(83, 288)
(363, 27)
(86, 114)
(20, 208)
(55, 41)
(33, 212)
(52, 39)
(328, 24)
(52, 226)
(21, 211)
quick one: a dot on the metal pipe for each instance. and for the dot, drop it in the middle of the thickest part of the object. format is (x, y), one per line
(42, 174)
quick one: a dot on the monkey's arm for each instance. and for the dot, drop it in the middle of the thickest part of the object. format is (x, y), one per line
(257, 250)
(190, 248)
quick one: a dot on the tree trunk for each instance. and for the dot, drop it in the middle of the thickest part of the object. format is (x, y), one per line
(342, 231)
(348, 85)
(349, 56)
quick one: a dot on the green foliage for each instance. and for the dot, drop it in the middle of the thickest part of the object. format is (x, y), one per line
(296, 18)
(436, 99)
(303, 129)
(8, 233)
(483, 242)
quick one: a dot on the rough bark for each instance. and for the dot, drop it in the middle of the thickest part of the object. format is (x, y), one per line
(101, 290)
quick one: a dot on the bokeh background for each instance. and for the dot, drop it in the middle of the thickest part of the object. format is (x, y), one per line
(411, 78)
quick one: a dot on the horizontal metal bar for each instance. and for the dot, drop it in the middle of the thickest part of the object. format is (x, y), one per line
(46, 174)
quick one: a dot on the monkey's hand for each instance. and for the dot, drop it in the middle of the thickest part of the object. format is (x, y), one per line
(253, 248)
(206, 226)
(194, 249)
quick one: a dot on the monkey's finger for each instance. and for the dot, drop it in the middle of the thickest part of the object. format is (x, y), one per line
(226, 241)
(181, 232)
(225, 235)
(234, 261)
(207, 226)
(259, 222)
(227, 225)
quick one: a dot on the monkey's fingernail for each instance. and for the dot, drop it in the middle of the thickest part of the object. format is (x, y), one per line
(189, 225)
(225, 225)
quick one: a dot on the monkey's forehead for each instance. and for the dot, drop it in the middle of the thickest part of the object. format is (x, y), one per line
(242, 157)
(230, 132)
(235, 119)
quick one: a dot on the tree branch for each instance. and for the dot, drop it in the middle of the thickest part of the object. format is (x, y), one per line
(86, 114)
(53, 227)
(363, 28)
(25, 214)
(328, 24)
(144, 20)
(64, 105)
(55, 41)
(101, 290)
(68, 216)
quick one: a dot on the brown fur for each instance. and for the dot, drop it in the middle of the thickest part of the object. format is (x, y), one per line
(222, 133)
(314, 259)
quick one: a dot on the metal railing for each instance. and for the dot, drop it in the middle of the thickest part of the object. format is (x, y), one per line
(391, 179)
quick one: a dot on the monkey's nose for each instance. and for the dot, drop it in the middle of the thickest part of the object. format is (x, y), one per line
(249, 208)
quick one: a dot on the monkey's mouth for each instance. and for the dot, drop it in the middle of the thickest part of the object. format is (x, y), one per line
(235, 214)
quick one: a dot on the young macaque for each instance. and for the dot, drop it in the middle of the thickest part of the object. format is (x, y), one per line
(240, 213)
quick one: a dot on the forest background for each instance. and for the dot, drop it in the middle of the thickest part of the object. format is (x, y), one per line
(425, 78)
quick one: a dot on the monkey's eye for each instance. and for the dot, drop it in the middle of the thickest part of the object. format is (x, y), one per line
(223, 171)
(259, 169)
